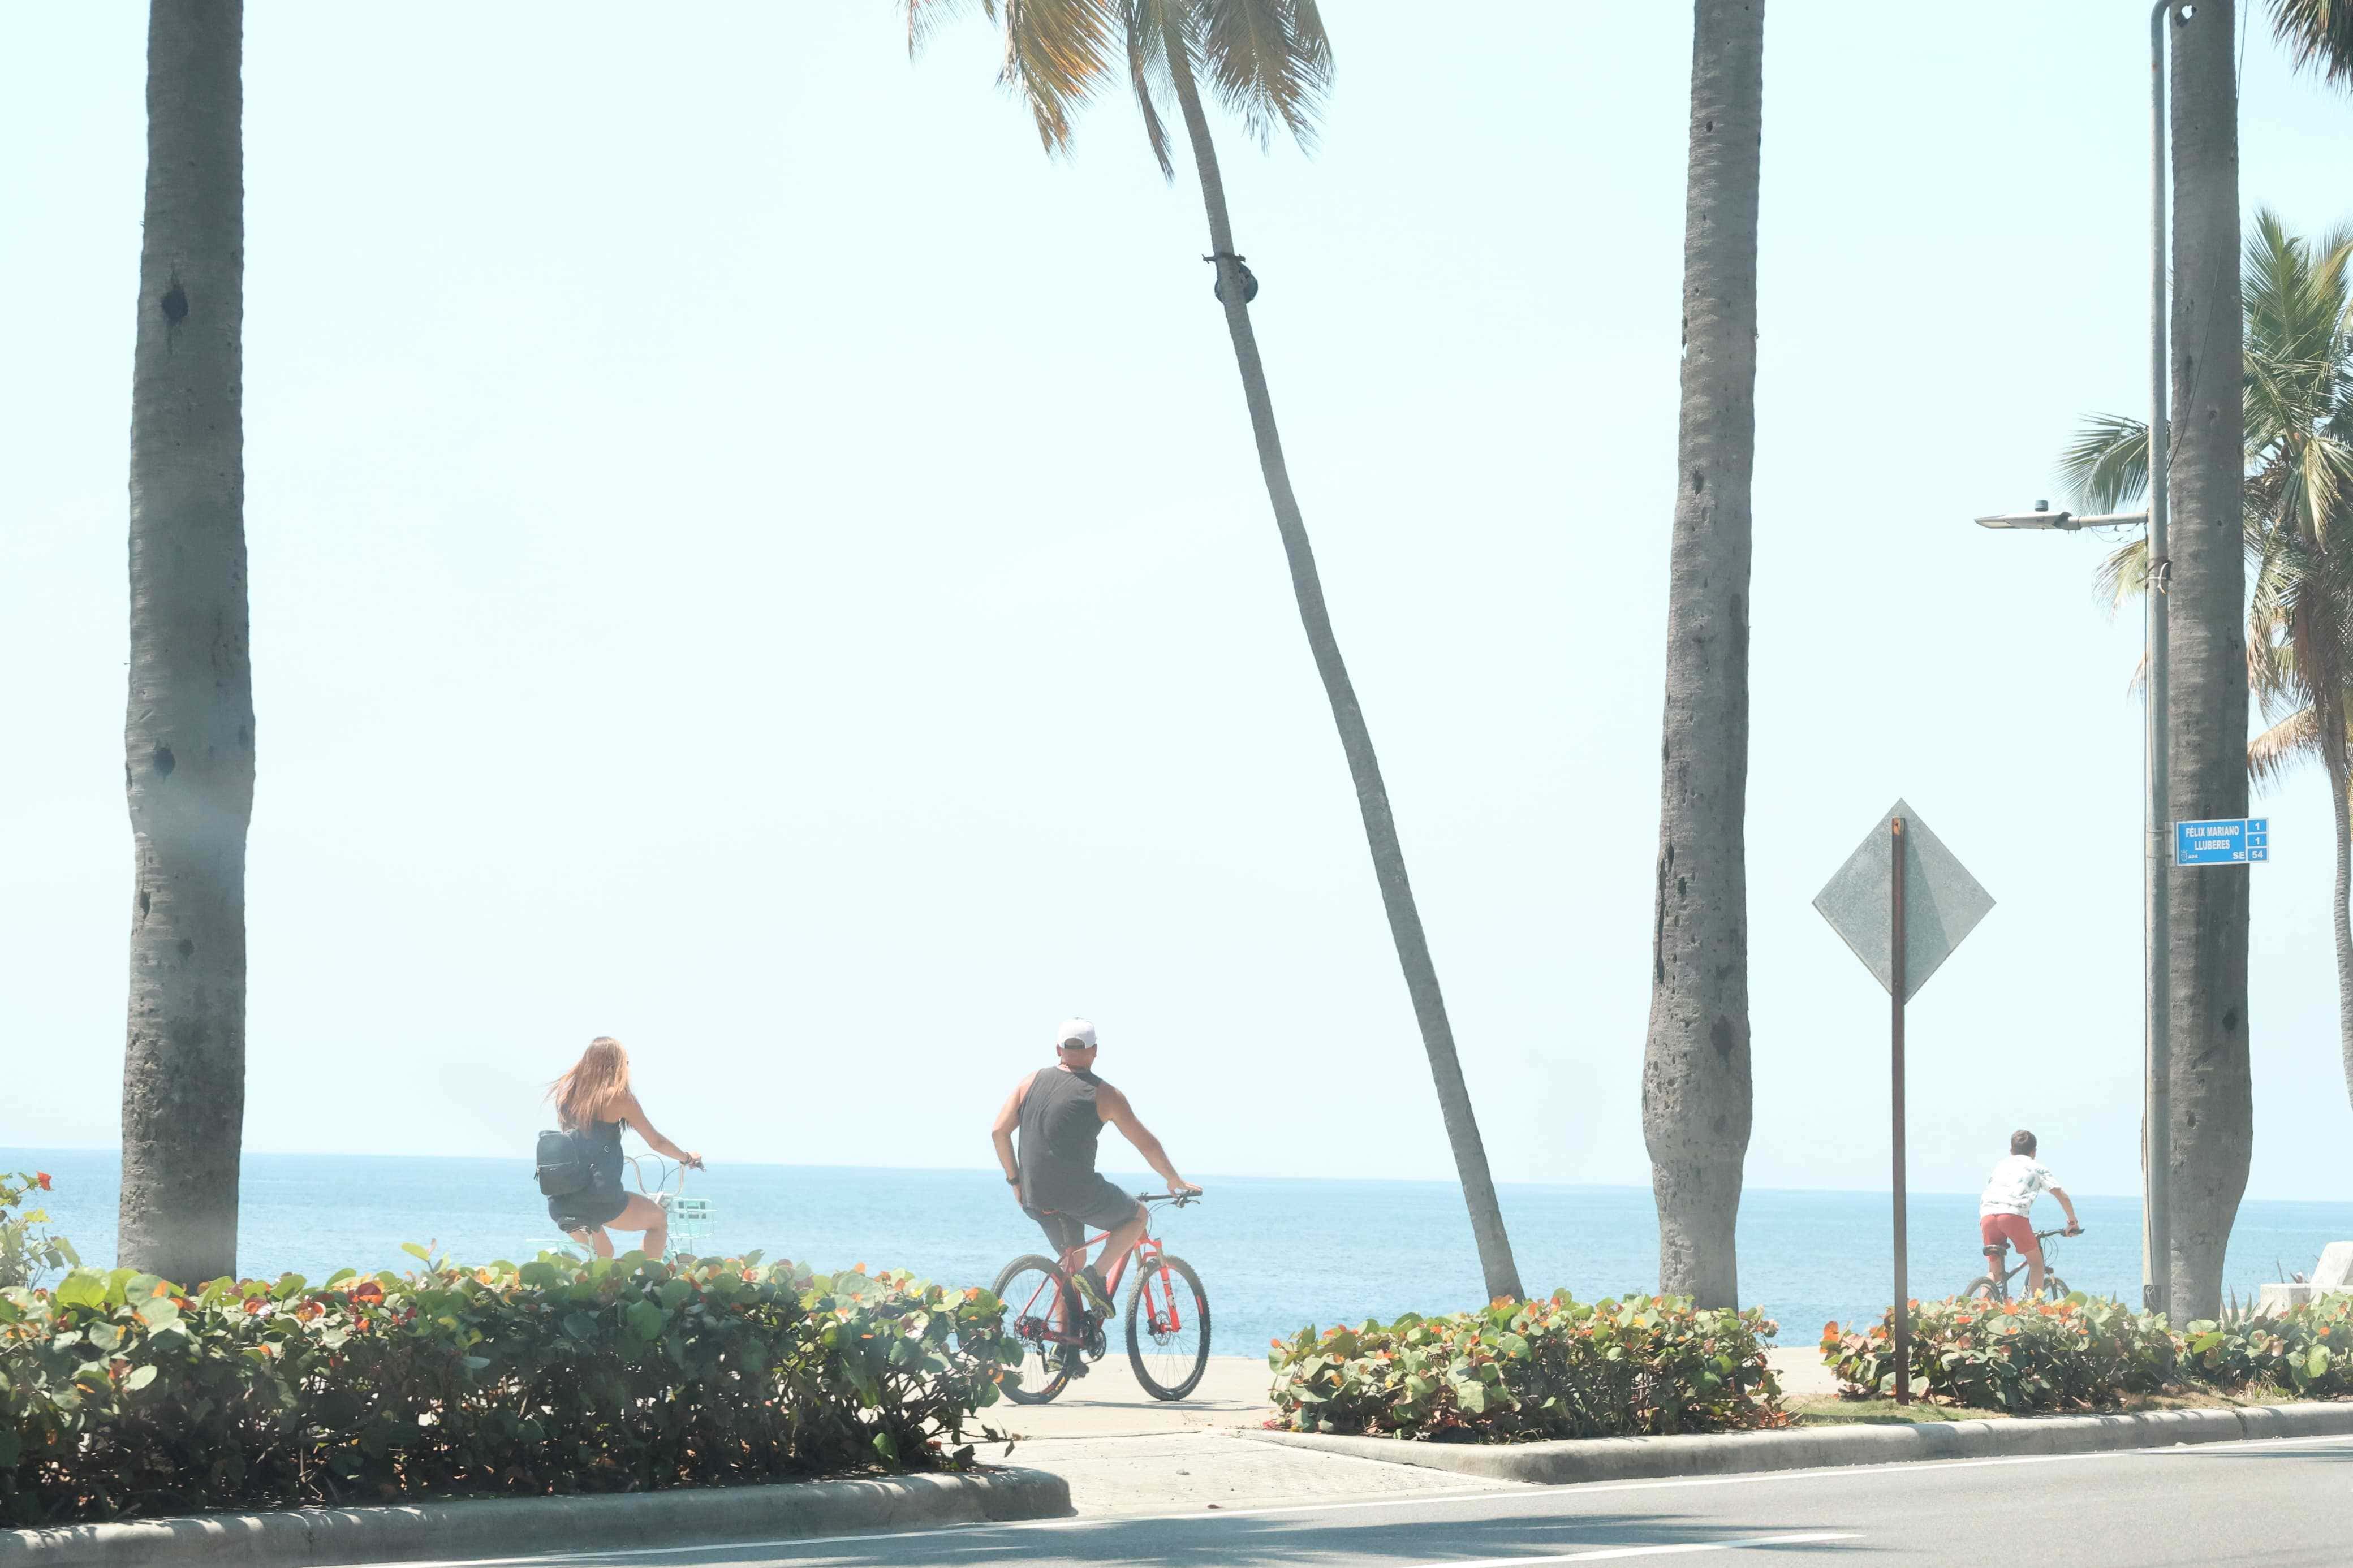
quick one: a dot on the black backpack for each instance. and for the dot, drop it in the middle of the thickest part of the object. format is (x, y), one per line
(564, 1164)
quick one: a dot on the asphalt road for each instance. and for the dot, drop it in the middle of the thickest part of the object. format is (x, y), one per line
(2280, 1503)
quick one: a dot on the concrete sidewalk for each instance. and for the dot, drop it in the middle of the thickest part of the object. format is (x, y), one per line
(1109, 1403)
(1124, 1452)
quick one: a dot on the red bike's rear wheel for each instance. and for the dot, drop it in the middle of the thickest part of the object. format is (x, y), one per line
(1038, 1300)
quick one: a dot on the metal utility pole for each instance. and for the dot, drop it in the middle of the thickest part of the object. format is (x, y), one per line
(2157, 1109)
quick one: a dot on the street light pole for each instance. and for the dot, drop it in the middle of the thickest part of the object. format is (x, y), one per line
(2157, 805)
(2157, 1109)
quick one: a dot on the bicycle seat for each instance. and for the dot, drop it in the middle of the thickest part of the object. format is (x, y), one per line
(1996, 1248)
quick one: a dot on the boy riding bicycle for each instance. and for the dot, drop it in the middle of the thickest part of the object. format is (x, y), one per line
(2008, 1198)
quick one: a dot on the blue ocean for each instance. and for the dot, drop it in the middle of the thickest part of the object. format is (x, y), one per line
(1274, 1255)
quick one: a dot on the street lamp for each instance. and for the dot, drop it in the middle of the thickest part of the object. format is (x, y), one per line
(2043, 517)
(2157, 1091)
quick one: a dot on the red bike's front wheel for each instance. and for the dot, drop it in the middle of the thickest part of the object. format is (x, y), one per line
(1168, 1329)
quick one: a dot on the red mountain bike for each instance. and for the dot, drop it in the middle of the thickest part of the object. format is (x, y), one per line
(1168, 1317)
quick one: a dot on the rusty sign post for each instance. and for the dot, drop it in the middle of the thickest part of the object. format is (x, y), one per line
(1896, 1099)
(1930, 903)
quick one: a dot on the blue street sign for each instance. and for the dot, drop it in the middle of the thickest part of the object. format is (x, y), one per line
(2222, 841)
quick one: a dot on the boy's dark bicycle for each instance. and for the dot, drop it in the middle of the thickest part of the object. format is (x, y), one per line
(1993, 1285)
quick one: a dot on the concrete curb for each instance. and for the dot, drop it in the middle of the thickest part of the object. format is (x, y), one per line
(517, 1527)
(1738, 1453)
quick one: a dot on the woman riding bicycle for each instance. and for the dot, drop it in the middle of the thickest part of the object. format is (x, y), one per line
(593, 1102)
(2008, 1198)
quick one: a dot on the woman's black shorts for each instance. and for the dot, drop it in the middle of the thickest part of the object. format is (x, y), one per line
(587, 1209)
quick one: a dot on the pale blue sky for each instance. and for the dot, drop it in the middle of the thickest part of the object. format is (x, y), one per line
(750, 557)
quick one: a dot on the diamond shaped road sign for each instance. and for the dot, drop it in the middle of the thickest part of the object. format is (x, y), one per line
(1942, 902)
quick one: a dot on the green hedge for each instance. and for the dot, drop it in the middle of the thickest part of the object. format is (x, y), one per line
(2013, 1355)
(1523, 1371)
(2306, 1351)
(121, 1395)
(28, 1252)
(2086, 1352)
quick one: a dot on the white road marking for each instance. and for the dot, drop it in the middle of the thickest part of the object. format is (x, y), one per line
(1608, 1553)
(1512, 1490)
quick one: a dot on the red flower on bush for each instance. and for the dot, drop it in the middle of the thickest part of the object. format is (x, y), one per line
(367, 1290)
(42, 1179)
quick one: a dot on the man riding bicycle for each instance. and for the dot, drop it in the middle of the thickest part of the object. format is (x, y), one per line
(2008, 1198)
(1060, 1112)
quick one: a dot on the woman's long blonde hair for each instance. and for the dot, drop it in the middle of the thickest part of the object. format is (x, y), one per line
(599, 1077)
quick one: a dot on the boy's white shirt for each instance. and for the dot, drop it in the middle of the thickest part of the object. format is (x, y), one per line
(2013, 1186)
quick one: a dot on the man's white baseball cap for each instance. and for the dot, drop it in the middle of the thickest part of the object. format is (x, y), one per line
(1077, 1030)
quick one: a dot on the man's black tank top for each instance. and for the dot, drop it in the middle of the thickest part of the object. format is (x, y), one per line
(1059, 1125)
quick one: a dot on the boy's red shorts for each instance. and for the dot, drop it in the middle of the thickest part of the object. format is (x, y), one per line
(2010, 1228)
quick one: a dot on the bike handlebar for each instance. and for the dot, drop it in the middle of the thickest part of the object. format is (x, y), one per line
(2063, 1230)
(1179, 1199)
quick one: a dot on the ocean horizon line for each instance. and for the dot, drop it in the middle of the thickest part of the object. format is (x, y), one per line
(1205, 1177)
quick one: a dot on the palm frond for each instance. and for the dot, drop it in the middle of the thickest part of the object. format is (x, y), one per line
(1057, 52)
(2105, 466)
(2123, 576)
(926, 17)
(2318, 33)
(1145, 25)
(1268, 60)
(1056, 55)
(2273, 754)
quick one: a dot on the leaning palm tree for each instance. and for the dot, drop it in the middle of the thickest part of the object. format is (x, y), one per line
(188, 727)
(1270, 61)
(1696, 1092)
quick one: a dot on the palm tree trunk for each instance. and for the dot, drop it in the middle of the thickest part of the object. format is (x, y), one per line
(1502, 1276)
(188, 725)
(2340, 780)
(2212, 1120)
(1696, 1074)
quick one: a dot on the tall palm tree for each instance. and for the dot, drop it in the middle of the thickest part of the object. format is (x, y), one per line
(2297, 525)
(1696, 1074)
(2210, 1072)
(1270, 62)
(188, 726)
(2319, 33)
(2212, 1091)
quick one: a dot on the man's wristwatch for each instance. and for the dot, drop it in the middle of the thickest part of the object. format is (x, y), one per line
(1012, 1181)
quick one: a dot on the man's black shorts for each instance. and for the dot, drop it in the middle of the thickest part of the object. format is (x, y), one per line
(1102, 1207)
